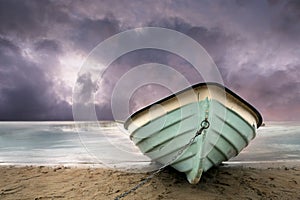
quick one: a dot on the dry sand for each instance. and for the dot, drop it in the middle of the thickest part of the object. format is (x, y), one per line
(234, 182)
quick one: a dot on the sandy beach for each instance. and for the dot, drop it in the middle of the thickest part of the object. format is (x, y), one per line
(229, 182)
(32, 166)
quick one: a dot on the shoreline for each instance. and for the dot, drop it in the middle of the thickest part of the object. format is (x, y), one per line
(229, 181)
(84, 165)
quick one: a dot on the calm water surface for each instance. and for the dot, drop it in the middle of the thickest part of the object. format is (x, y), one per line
(108, 144)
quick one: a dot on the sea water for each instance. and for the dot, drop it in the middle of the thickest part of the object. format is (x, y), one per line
(107, 144)
(274, 142)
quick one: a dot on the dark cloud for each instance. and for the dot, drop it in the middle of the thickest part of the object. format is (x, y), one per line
(104, 112)
(276, 94)
(90, 32)
(7, 52)
(26, 91)
(175, 23)
(29, 19)
(48, 46)
(285, 22)
(255, 44)
(19, 17)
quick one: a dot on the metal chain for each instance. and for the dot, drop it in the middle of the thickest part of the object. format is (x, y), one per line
(204, 125)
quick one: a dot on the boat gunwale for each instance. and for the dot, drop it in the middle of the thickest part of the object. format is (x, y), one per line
(252, 108)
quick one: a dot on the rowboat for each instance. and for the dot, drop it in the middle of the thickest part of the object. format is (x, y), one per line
(227, 123)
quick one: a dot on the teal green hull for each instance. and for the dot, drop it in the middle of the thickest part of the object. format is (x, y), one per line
(162, 138)
(161, 132)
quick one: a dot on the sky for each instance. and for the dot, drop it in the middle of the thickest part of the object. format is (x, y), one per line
(255, 44)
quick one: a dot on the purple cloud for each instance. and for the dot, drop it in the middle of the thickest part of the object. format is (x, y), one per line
(26, 91)
(255, 44)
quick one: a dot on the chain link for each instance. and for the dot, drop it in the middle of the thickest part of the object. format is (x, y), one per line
(204, 125)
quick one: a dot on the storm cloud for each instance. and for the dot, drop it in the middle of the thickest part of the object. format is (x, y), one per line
(26, 91)
(255, 44)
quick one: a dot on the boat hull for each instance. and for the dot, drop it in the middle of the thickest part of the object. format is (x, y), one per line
(162, 131)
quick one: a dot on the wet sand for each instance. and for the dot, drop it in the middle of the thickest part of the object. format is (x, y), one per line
(224, 182)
